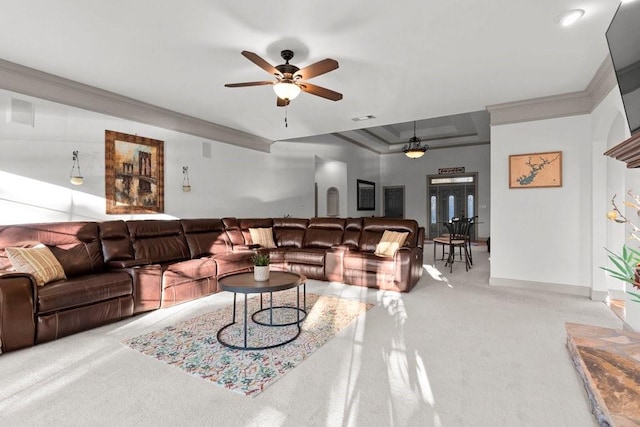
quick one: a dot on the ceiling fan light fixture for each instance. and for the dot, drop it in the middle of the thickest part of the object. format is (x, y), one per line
(286, 89)
(414, 149)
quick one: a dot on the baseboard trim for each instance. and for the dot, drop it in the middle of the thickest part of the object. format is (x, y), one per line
(599, 295)
(617, 294)
(558, 288)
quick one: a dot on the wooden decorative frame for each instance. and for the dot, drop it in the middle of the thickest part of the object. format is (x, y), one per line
(535, 170)
(134, 174)
(366, 195)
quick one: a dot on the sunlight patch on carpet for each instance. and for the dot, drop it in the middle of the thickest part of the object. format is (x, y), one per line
(191, 345)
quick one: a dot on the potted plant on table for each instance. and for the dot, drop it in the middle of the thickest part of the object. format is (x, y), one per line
(261, 262)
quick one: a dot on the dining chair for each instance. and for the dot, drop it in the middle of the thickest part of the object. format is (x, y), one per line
(472, 223)
(458, 237)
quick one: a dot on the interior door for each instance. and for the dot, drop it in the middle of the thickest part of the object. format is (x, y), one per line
(394, 202)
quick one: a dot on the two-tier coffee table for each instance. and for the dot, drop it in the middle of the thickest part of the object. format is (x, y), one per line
(243, 283)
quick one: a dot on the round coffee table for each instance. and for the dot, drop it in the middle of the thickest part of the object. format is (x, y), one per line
(243, 283)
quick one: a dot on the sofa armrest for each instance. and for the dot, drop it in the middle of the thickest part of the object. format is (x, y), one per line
(128, 263)
(17, 308)
(408, 267)
(420, 238)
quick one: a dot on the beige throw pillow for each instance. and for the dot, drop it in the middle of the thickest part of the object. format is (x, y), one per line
(262, 237)
(38, 261)
(390, 242)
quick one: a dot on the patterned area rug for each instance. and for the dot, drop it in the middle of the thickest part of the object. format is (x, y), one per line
(192, 345)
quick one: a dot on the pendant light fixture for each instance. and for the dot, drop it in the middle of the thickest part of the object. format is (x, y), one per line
(414, 149)
(186, 185)
(75, 176)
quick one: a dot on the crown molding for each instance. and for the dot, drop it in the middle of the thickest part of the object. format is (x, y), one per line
(602, 82)
(550, 107)
(28, 81)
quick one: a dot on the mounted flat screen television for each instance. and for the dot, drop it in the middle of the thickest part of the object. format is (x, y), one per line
(623, 37)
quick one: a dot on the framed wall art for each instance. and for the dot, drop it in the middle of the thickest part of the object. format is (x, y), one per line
(535, 170)
(134, 174)
(366, 195)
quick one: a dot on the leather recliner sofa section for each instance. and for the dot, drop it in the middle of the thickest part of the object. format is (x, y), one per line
(116, 269)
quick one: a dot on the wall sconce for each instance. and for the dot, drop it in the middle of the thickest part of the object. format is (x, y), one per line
(186, 185)
(76, 177)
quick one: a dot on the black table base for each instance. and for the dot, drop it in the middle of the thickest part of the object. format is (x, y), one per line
(271, 323)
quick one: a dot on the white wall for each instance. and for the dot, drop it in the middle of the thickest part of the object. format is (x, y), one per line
(542, 235)
(234, 181)
(397, 169)
(361, 164)
(609, 128)
(554, 238)
(331, 173)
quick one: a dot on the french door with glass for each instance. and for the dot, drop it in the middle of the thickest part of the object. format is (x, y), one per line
(450, 196)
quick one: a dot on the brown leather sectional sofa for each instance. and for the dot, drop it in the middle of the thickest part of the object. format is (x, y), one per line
(116, 269)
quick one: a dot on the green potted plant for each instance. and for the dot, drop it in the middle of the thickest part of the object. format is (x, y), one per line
(626, 268)
(627, 264)
(261, 262)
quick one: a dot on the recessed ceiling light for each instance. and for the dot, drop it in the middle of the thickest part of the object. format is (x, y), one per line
(570, 17)
(363, 118)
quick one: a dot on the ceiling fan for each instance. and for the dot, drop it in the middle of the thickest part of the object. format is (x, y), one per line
(290, 80)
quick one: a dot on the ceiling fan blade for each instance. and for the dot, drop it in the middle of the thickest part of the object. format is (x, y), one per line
(317, 69)
(248, 84)
(261, 63)
(282, 102)
(320, 91)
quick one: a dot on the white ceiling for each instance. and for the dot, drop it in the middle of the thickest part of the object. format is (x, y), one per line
(399, 61)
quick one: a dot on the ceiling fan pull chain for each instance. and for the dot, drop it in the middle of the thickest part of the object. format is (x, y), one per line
(285, 117)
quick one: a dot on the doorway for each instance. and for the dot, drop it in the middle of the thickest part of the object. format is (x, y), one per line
(450, 196)
(394, 202)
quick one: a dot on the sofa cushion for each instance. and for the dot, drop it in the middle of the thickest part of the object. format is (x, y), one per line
(188, 271)
(322, 238)
(205, 237)
(305, 256)
(368, 262)
(232, 228)
(390, 242)
(246, 223)
(374, 228)
(233, 263)
(38, 261)
(352, 228)
(276, 255)
(158, 240)
(83, 290)
(262, 237)
(323, 233)
(114, 237)
(76, 245)
(289, 232)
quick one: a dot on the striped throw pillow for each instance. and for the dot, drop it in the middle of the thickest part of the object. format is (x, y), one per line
(390, 242)
(262, 237)
(38, 261)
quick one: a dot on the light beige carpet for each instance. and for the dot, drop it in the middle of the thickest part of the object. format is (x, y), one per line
(452, 352)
